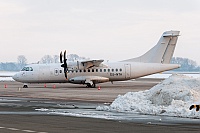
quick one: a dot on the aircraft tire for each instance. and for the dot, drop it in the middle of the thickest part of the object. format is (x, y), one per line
(88, 85)
(25, 86)
(93, 85)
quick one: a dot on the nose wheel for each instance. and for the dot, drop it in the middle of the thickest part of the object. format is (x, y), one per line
(25, 86)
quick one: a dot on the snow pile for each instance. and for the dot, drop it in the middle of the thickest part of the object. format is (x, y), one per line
(2, 79)
(172, 97)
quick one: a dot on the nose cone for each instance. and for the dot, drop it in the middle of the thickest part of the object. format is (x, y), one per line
(16, 77)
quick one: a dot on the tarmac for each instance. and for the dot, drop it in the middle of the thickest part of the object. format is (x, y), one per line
(105, 92)
(18, 114)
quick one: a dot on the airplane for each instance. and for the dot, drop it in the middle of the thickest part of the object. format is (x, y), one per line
(92, 72)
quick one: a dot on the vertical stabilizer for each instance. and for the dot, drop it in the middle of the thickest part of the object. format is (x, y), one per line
(162, 52)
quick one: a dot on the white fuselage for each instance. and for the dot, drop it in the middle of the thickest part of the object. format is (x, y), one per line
(119, 71)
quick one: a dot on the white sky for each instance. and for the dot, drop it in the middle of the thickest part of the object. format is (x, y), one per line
(98, 29)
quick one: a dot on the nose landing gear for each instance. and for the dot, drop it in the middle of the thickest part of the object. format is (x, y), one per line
(25, 86)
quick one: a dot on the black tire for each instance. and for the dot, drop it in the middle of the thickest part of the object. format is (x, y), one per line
(25, 86)
(93, 85)
(88, 85)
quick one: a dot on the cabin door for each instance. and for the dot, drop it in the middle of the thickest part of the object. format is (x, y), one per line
(127, 71)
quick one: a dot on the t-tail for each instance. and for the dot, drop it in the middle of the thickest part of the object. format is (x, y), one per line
(162, 52)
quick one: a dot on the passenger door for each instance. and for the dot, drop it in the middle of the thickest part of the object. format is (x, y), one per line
(127, 71)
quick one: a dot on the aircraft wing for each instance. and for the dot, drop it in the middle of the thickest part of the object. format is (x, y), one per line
(91, 63)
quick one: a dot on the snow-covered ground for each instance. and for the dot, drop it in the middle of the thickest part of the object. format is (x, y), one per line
(6, 75)
(167, 75)
(172, 97)
(6, 79)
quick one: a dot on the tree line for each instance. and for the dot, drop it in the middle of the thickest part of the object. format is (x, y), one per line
(46, 59)
(186, 64)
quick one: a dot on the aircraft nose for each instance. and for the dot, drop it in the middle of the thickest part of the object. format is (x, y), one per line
(16, 77)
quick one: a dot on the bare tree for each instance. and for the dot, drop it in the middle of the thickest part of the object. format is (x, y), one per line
(22, 61)
(47, 59)
(56, 59)
(186, 64)
(74, 57)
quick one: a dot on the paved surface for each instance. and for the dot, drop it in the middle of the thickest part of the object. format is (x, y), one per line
(22, 118)
(60, 124)
(107, 93)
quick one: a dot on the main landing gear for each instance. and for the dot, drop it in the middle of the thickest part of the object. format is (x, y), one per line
(93, 85)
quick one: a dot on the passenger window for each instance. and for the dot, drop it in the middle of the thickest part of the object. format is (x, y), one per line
(76, 71)
(92, 70)
(104, 70)
(120, 69)
(88, 70)
(116, 70)
(112, 70)
(84, 70)
(24, 69)
(108, 70)
(100, 70)
(31, 69)
(60, 71)
(27, 69)
(80, 71)
(96, 70)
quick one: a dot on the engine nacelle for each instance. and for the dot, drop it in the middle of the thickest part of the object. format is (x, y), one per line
(88, 79)
(77, 80)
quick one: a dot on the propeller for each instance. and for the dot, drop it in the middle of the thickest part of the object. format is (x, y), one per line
(64, 65)
(61, 61)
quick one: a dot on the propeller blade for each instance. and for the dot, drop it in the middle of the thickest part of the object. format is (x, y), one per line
(65, 58)
(65, 64)
(197, 107)
(192, 106)
(61, 61)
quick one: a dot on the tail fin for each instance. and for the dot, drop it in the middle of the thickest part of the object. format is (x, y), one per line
(162, 52)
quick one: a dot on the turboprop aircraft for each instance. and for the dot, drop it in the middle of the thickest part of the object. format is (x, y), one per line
(92, 72)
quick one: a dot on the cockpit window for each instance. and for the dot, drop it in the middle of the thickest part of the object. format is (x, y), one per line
(30, 68)
(27, 69)
(24, 69)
